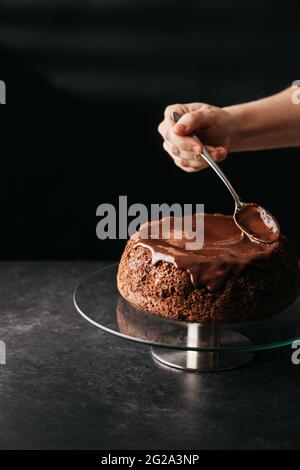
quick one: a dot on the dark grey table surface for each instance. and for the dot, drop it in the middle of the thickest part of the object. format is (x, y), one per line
(67, 385)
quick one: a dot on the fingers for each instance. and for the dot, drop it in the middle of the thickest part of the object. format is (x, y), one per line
(195, 120)
(217, 153)
(183, 155)
(195, 163)
(187, 169)
(183, 159)
(186, 144)
(183, 143)
(168, 121)
(175, 108)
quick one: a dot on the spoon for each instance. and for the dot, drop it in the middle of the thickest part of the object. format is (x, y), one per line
(255, 221)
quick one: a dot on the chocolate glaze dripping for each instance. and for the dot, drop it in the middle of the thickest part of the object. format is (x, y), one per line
(226, 250)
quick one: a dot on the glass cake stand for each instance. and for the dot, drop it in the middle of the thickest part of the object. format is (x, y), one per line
(187, 346)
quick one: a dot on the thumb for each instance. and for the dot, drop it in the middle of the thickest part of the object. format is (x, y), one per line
(189, 122)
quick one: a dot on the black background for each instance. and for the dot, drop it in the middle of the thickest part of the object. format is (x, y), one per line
(87, 83)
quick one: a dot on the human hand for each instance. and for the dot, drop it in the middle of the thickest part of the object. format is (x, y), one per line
(212, 125)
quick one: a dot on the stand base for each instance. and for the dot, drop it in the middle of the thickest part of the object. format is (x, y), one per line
(202, 361)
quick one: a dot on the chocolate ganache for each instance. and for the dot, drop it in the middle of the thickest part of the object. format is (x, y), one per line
(226, 248)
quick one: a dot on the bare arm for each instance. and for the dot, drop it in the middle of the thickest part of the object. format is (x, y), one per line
(263, 124)
(267, 123)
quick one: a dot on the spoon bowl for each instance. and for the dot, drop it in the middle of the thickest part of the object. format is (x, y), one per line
(257, 223)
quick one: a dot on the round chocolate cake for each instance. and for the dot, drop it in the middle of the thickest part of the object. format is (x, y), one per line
(229, 280)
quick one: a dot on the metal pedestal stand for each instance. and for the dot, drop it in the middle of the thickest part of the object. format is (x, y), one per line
(201, 336)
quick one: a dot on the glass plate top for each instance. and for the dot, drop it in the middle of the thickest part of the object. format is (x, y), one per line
(97, 299)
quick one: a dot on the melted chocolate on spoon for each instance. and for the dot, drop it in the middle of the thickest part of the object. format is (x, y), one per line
(257, 223)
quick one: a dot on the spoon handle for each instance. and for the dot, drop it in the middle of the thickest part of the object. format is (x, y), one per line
(208, 159)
